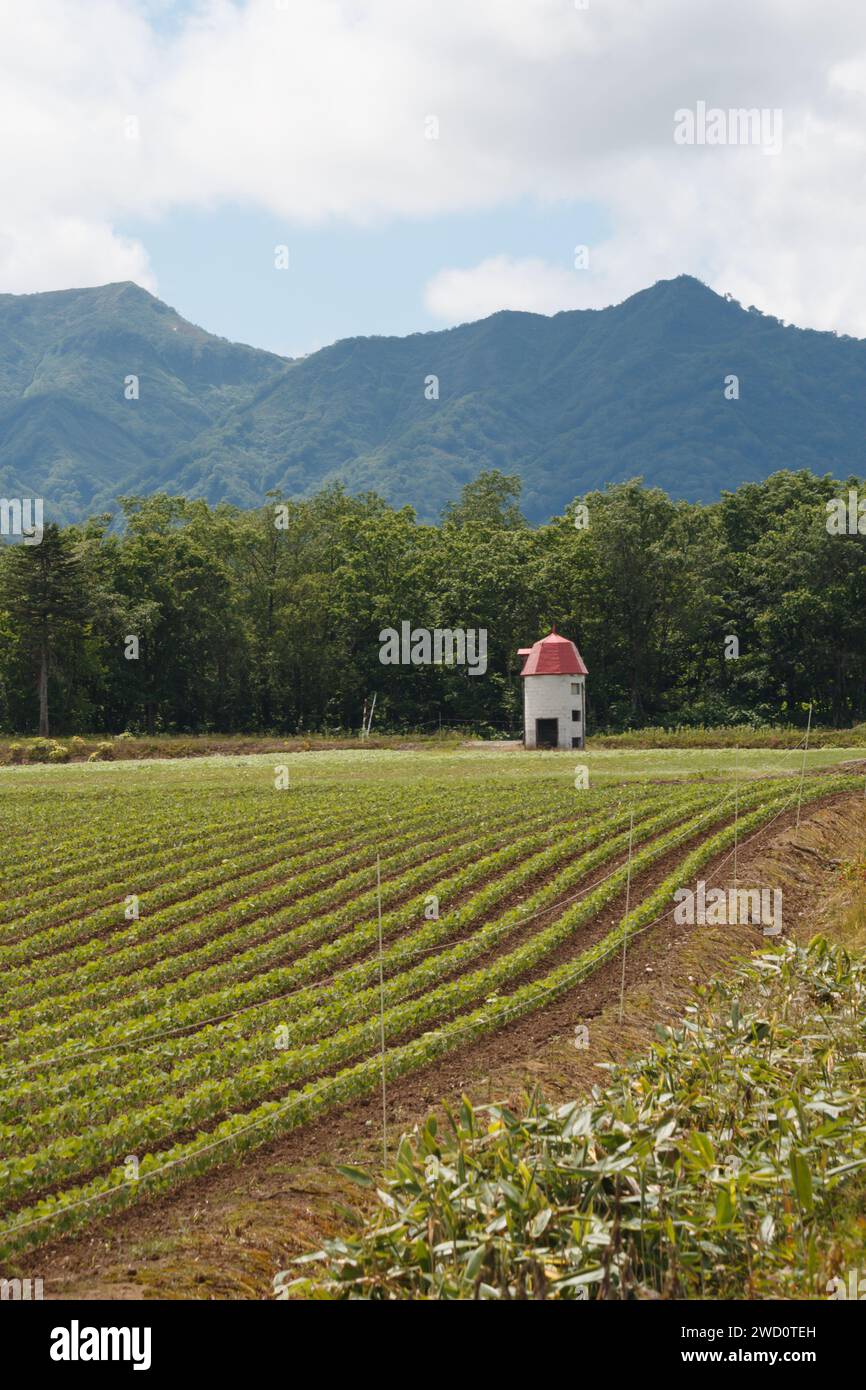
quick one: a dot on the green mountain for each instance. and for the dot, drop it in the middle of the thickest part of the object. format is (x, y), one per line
(568, 402)
(67, 432)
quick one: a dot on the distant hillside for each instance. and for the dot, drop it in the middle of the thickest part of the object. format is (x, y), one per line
(67, 433)
(568, 402)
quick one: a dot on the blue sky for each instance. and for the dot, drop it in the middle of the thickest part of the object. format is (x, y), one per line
(217, 267)
(175, 144)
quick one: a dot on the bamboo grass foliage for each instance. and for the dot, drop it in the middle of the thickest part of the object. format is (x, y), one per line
(698, 1171)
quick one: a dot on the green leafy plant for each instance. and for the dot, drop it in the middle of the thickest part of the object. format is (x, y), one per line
(154, 1035)
(698, 1171)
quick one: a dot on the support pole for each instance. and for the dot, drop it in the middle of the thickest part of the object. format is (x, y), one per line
(627, 907)
(736, 812)
(382, 1016)
(803, 768)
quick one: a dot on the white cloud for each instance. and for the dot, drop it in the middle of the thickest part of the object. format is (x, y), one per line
(68, 252)
(316, 112)
(460, 295)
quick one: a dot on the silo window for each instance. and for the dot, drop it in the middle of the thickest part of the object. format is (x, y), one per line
(575, 714)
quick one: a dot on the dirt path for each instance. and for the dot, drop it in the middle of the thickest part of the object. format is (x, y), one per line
(225, 1235)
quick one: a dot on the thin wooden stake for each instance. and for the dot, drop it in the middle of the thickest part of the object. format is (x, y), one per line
(382, 1016)
(803, 768)
(627, 905)
(736, 812)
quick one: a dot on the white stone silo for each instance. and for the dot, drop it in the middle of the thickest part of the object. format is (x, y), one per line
(554, 694)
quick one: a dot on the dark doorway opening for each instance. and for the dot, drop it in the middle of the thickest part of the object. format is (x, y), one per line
(547, 733)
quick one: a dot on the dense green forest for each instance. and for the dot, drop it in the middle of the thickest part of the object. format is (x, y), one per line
(269, 619)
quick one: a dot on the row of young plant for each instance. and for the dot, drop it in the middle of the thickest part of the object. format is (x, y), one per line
(210, 1100)
(344, 944)
(73, 1155)
(157, 1172)
(285, 939)
(661, 1184)
(160, 828)
(71, 941)
(163, 816)
(210, 933)
(214, 848)
(279, 814)
(221, 1051)
(163, 932)
(245, 993)
(161, 824)
(176, 818)
(57, 821)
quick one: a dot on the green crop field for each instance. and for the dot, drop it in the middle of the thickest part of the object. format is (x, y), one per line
(191, 956)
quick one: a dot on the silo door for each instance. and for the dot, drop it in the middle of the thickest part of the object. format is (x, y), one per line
(547, 733)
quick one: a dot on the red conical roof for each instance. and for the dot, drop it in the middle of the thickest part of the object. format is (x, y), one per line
(553, 656)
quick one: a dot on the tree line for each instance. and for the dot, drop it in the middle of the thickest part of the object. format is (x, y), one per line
(743, 610)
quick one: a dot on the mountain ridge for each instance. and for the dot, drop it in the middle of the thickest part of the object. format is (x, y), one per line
(568, 401)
